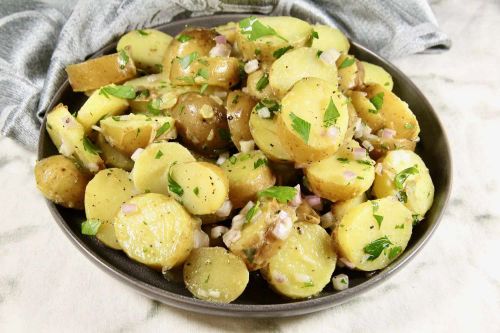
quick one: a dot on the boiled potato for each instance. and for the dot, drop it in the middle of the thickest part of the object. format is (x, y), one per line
(406, 176)
(258, 85)
(150, 172)
(147, 48)
(350, 71)
(202, 187)
(206, 273)
(228, 30)
(113, 157)
(129, 132)
(159, 99)
(96, 73)
(330, 38)
(223, 72)
(265, 134)
(147, 82)
(340, 208)
(341, 176)
(263, 234)
(61, 181)
(157, 232)
(383, 145)
(296, 65)
(104, 196)
(304, 264)
(306, 119)
(306, 213)
(239, 106)
(289, 31)
(374, 233)
(248, 174)
(68, 136)
(98, 106)
(351, 125)
(201, 123)
(376, 74)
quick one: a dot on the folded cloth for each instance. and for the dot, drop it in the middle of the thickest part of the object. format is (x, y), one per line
(38, 39)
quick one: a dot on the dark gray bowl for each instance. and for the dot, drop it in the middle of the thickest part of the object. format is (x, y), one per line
(258, 300)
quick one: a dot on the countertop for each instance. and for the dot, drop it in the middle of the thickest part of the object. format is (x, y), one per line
(452, 285)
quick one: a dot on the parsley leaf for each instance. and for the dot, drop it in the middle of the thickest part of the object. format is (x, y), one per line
(251, 212)
(90, 147)
(203, 88)
(235, 99)
(183, 38)
(90, 227)
(272, 105)
(331, 114)
(319, 53)
(281, 193)
(394, 252)
(315, 34)
(402, 196)
(174, 187)
(400, 226)
(308, 284)
(401, 177)
(196, 190)
(188, 79)
(377, 101)
(302, 127)
(125, 92)
(378, 218)
(279, 52)
(259, 162)
(143, 33)
(408, 126)
(153, 106)
(123, 59)
(254, 29)
(416, 218)
(347, 62)
(250, 254)
(263, 82)
(203, 72)
(343, 160)
(164, 128)
(187, 60)
(159, 154)
(375, 248)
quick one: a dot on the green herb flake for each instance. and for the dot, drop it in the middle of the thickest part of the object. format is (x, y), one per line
(348, 61)
(162, 130)
(124, 92)
(373, 111)
(402, 196)
(270, 104)
(400, 226)
(250, 254)
(315, 34)
(188, 79)
(259, 162)
(375, 248)
(378, 218)
(143, 33)
(343, 281)
(159, 154)
(331, 114)
(236, 98)
(251, 212)
(208, 278)
(115, 118)
(123, 59)
(394, 252)
(302, 127)
(203, 72)
(415, 218)
(409, 126)
(402, 176)
(196, 190)
(153, 106)
(143, 94)
(378, 101)
(137, 132)
(263, 82)
(184, 38)
(187, 60)
(90, 227)
(203, 88)
(281, 193)
(253, 29)
(343, 160)
(159, 67)
(308, 284)
(258, 52)
(279, 52)
(233, 159)
(319, 53)
(174, 187)
(90, 147)
(364, 162)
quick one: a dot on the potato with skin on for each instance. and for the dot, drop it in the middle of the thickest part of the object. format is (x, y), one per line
(376, 74)
(99, 72)
(104, 196)
(296, 65)
(98, 106)
(239, 106)
(158, 233)
(304, 264)
(330, 38)
(201, 187)
(350, 71)
(61, 181)
(255, 80)
(307, 214)
(206, 273)
(147, 48)
(68, 136)
(341, 177)
(248, 174)
(113, 157)
(340, 208)
(351, 125)
(374, 233)
(150, 172)
(306, 119)
(413, 186)
(294, 32)
(129, 132)
(381, 146)
(201, 123)
(228, 30)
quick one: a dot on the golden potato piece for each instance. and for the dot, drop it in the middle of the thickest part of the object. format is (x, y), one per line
(306, 213)
(376, 74)
(61, 181)
(215, 275)
(113, 157)
(350, 71)
(239, 106)
(96, 73)
(340, 208)
(330, 38)
(156, 231)
(228, 30)
(258, 85)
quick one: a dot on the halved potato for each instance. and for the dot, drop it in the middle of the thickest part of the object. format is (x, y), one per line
(206, 273)
(405, 176)
(341, 176)
(157, 231)
(239, 106)
(68, 136)
(113, 157)
(96, 73)
(306, 119)
(104, 196)
(147, 48)
(299, 64)
(257, 86)
(306, 213)
(150, 172)
(376, 74)
(340, 208)
(248, 174)
(330, 38)
(374, 233)
(201, 187)
(228, 30)
(304, 264)
(351, 72)
(381, 145)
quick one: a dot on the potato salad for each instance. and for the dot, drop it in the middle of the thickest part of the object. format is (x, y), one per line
(260, 145)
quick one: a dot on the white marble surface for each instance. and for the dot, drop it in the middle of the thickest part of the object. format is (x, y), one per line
(452, 285)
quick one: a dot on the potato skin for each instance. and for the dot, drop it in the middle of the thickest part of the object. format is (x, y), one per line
(205, 135)
(61, 181)
(239, 106)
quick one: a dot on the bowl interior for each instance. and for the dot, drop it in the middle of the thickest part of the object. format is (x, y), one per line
(258, 299)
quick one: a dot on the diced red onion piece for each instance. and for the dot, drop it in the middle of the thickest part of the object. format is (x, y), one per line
(340, 282)
(247, 146)
(327, 220)
(378, 169)
(218, 231)
(359, 153)
(231, 236)
(282, 215)
(388, 133)
(246, 208)
(129, 208)
(222, 158)
(347, 263)
(200, 239)
(251, 66)
(332, 132)
(264, 113)
(225, 209)
(367, 145)
(330, 56)
(297, 199)
(313, 200)
(349, 175)
(136, 154)
(238, 222)
(221, 39)
(358, 128)
(220, 50)
(282, 228)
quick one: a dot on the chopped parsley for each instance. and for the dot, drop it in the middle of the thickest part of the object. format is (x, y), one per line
(402, 197)
(187, 60)
(319, 53)
(125, 92)
(343, 281)
(342, 160)
(203, 72)
(308, 284)
(162, 130)
(159, 67)
(377, 101)
(203, 88)
(279, 52)
(315, 34)
(259, 162)
(253, 29)
(331, 114)
(183, 38)
(375, 248)
(263, 82)
(281, 193)
(409, 126)
(302, 127)
(394, 252)
(365, 162)
(90, 147)
(115, 118)
(347, 62)
(174, 187)
(402, 176)
(250, 254)
(90, 227)
(378, 218)
(188, 79)
(251, 212)
(159, 154)
(257, 52)
(208, 278)
(196, 190)
(416, 218)
(143, 33)
(153, 106)
(123, 59)
(272, 106)
(236, 98)
(400, 226)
